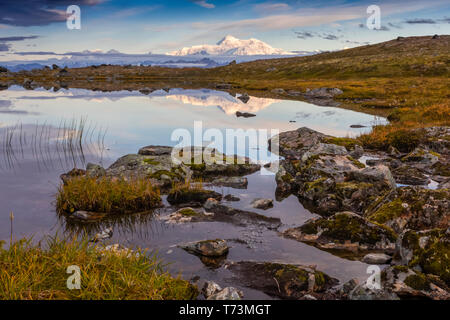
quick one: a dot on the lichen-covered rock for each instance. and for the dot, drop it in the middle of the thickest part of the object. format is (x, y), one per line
(281, 280)
(428, 250)
(421, 156)
(412, 208)
(410, 175)
(344, 231)
(231, 182)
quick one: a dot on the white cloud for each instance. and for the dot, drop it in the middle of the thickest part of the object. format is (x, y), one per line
(204, 4)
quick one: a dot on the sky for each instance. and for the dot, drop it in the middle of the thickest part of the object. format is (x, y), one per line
(38, 27)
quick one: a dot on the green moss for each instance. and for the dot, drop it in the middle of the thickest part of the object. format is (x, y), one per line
(400, 268)
(309, 228)
(436, 260)
(188, 212)
(315, 185)
(287, 178)
(388, 211)
(418, 282)
(172, 174)
(348, 143)
(346, 189)
(197, 167)
(404, 140)
(356, 162)
(151, 162)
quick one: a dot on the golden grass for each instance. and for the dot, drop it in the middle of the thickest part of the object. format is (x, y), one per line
(106, 195)
(36, 273)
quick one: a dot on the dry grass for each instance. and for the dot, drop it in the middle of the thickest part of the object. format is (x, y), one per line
(107, 195)
(37, 273)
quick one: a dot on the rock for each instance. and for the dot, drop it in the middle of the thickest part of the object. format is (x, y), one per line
(65, 177)
(421, 156)
(378, 174)
(208, 248)
(278, 91)
(244, 97)
(105, 234)
(230, 197)
(191, 196)
(55, 67)
(155, 151)
(232, 182)
(239, 217)
(294, 93)
(426, 250)
(344, 231)
(363, 292)
(444, 185)
(323, 93)
(95, 171)
(118, 250)
(210, 288)
(188, 214)
(376, 258)
(245, 114)
(229, 293)
(435, 37)
(263, 204)
(322, 149)
(357, 126)
(411, 208)
(281, 280)
(409, 175)
(87, 216)
(357, 152)
(3, 69)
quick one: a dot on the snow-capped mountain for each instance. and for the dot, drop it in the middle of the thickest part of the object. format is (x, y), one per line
(232, 46)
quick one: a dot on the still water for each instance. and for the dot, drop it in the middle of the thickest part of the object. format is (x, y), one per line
(44, 134)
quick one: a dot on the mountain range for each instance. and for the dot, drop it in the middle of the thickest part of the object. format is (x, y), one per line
(231, 46)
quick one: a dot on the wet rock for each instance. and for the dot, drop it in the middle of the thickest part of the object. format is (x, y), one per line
(208, 248)
(245, 114)
(376, 258)
(192, 196)
(232, 182)
(263, 204)
(230, 197)
(239, 217)
(281, 280)
(188, 214)
(229, 293)
(244, 97)
(344, 231)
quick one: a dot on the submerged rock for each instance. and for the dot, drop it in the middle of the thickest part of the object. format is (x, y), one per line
(230, 197)
(281, 280)
(191, 196)
(105, 234)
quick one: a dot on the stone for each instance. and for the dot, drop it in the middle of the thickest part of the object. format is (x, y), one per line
(378, 173)
(357, 152)
(284, 281)
(245, 114)
(155, 151)
(65, 177)
(95, 171)
(230, 197)
(232, 182)
(421, 156)
(263, 204)
(208, 248)
(192, 196)
(344, 231)
(105, 234)
(278, 91)
(210, 288)
(409, 175)
(229, 293)
(86, 216)
(323, 92)
(376, 258)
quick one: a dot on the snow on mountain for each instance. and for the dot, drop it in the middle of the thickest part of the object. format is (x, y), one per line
(232, 46)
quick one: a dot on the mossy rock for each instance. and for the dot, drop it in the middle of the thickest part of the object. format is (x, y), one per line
(191, 195)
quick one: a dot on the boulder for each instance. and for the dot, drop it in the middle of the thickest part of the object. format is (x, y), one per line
(263, 204)
(344, 231)
(208, 248)
(376, 258)
(326, 93)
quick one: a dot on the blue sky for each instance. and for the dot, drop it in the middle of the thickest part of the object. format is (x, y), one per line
(138, 26)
